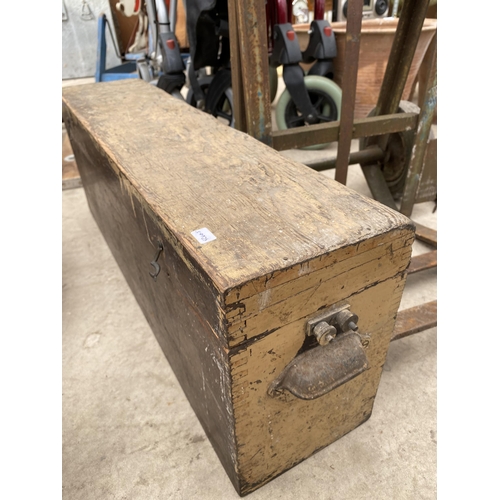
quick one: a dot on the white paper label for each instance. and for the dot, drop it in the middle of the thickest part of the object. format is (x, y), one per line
(203, 235)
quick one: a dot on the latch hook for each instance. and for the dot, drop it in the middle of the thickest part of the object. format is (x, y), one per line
(154, 262)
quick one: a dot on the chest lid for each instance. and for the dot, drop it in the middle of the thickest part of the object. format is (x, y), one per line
(252, 211)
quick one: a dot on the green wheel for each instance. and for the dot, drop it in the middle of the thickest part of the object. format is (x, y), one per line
(326, 97)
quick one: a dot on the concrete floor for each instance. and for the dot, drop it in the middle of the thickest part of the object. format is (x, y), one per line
(129, 432)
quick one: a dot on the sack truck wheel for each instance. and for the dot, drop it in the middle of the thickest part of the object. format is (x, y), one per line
(399, 146)
(273, 82)
(326, 97)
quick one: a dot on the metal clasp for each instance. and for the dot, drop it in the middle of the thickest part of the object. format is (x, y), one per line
(154, 262)
(327, 324)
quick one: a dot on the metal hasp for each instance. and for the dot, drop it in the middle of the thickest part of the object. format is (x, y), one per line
(339, 316)
(154, 262)
(338, 358)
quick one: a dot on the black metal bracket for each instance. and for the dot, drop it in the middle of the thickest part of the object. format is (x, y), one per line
(322, 48)
(293, 76)
(173, 77)
(286, 48)
(172, 61)
(322, 43)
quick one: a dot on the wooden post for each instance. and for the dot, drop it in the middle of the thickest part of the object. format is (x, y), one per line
(236, 78)
(421, 138)
(250, 31)
(353, 31)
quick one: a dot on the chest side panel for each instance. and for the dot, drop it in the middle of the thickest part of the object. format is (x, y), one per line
(181, 306)
(299, 291)
(274, 434)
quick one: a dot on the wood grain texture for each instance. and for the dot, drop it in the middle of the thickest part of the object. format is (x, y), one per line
(231, 314)
(195, 173)
(181, 307)
(299, 298)
(274, 434)
(427, 187)
(251, 35)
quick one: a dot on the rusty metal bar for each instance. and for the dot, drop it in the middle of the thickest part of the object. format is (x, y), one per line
(426, 234)
(415, 320)
(329, 131)
(398, 66)
(252, 34)
(427, 189)
(402, 52)
(424, 72)
(378, 185)
(423, 262)
(371, 154)
(349, 81)
(380, 190)
(299, 137)
(421, 137)
(236, 77)
(386, 124)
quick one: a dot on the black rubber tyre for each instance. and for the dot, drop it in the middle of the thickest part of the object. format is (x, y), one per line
(273, 82)
(224, 110)
(219, 101)
(204, 83)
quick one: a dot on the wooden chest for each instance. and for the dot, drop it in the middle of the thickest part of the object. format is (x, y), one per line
(271, 289)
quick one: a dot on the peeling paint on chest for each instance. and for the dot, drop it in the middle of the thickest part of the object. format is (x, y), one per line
(304, 269)
(264, 299)
(223, 383)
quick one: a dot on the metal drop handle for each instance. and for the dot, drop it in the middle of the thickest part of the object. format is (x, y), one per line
(337, 359)
(318, 371)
